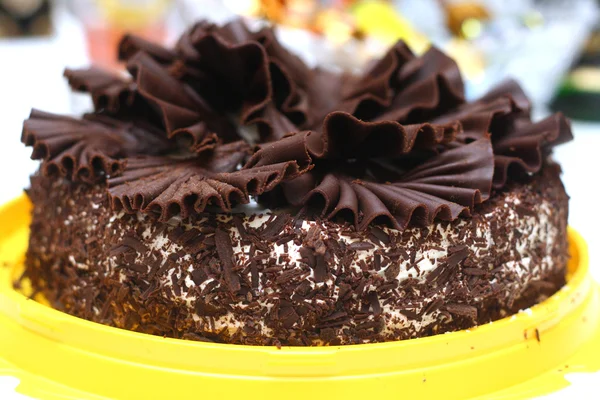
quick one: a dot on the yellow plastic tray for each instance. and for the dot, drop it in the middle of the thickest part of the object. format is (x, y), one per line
(58, 356)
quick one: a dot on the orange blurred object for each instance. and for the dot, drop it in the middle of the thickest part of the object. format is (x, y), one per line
(459, 13)
(106, 21)
(102, 41)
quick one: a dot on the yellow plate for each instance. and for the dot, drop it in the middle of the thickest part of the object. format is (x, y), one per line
(59, 356)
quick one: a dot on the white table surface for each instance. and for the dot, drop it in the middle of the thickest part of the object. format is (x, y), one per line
(30, 76)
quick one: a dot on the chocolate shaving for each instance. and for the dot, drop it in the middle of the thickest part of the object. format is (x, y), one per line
(320, 269)
(275, 227)
(463, 310)
(225, 251)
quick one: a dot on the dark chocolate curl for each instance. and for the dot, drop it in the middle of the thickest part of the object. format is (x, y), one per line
(288, 148)
(252, 72)
(493, 113)
(511, 90)
(445, 187)
(88, 149)
(109, 91)
(167, 187)
(197, 137)
(294, 83)
(272, 124)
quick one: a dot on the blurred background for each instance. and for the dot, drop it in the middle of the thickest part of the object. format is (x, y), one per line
(551, 46)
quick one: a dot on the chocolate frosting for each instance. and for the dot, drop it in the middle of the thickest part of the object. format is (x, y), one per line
(397, 143)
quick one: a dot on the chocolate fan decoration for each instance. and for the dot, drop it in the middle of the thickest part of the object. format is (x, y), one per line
(167, 187)
(425, 87)
(444, 187)
(251, 72)
(180, 107)
(282, 95)
(519, 144)
(494, 112)
(130, 45)
(524, 147)
(87, 149)
(374, 87)
(345, 136)
(234, 67)
(109, 91)
(397, 144)
(112, 93)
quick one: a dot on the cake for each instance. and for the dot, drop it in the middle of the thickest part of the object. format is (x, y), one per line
(224, 191)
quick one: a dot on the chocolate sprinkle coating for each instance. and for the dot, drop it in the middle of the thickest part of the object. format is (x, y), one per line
(280, 282)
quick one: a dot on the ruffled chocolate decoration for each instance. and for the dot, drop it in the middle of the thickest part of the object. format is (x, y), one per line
(511, 90)
(445, 187)
(112, 94)
(250, 72)
(180, 107)
(396, 144)
(425, 87)
(519, 144)
(523, 149)
(109, 91)
(86, 149)
(374, 88)
(234, 67)
(167, 187)
(345, 136)
(493, 113)
(130, 45)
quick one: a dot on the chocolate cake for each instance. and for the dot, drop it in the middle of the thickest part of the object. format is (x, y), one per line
(226, 192)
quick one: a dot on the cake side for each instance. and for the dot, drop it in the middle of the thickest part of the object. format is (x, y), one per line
(274, 279)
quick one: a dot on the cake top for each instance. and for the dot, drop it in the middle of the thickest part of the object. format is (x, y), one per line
(229, 114)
